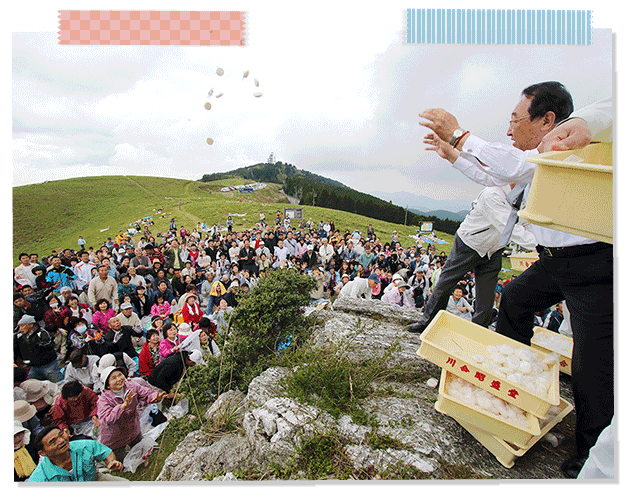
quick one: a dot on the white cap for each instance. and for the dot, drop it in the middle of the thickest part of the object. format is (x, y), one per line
(27, 319)
(107, 372)
(106, 361)
(17, 428)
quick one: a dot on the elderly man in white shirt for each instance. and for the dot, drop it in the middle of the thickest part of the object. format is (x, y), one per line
(83, 270)
(326, 251)
(23, 274)
(281, 254)
(576, 269)
(360, 288)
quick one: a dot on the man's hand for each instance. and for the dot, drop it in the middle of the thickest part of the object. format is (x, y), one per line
(443, 148)
(441, 122)
(115, 465)
(572, 134)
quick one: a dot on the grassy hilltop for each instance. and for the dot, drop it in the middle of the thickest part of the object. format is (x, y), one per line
(54, 214)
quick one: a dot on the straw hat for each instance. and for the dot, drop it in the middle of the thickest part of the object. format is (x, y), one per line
(36, 390)
(23, 411)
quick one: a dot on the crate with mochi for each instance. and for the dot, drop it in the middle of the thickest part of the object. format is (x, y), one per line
(504, 451)
(523, 376)
(548, 341)
(464, 401)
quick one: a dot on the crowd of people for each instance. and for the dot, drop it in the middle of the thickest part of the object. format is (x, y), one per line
(98, 332)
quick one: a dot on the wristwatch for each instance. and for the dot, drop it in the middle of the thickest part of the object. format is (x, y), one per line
(456, 135)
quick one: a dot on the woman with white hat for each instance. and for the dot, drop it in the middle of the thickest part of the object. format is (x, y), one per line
(26, 413)
(24, 456)
(118, 409)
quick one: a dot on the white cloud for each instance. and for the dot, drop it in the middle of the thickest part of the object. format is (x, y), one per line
(336, 100)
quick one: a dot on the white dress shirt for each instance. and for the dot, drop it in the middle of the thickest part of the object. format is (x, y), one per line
(497, 164)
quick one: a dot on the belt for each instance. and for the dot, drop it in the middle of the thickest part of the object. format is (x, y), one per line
(574, 251)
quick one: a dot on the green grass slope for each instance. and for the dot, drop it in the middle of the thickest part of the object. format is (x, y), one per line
(54, 214)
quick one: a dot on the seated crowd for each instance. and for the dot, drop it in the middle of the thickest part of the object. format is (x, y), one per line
(98, 332)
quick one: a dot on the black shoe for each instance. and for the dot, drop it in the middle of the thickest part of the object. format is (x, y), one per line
(415, 327)
(572, 466)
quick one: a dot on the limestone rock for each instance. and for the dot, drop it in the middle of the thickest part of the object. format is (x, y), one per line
(272, 426)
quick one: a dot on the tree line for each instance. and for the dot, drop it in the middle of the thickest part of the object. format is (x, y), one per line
(313, 189)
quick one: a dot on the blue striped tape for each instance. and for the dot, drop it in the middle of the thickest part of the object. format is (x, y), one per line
(499, 26)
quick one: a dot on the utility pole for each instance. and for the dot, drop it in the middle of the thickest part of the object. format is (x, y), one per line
(406, 214)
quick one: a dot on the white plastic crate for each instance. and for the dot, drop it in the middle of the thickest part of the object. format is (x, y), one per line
(451, 342)
(572, 191)
(490, 423)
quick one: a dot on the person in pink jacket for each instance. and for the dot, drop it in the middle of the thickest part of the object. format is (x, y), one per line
(171, 342)
(118, 410)
(161, 308)
(102, 314)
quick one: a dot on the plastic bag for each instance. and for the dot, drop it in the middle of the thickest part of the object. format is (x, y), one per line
(177, 411)
(85, 428)
(140, 452)
(191, 342)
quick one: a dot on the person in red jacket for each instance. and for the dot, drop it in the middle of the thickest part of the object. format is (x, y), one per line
(149, 356)
(75, 404)
(191, 312)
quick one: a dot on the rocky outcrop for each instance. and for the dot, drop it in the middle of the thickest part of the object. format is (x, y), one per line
(272, 426)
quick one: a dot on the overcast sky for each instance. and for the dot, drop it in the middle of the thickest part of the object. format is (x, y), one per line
(341, 97)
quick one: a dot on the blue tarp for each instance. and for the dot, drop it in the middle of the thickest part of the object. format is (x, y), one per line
(437, 241)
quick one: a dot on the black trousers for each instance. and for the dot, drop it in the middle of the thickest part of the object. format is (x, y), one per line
(586, 283)
(462, 259)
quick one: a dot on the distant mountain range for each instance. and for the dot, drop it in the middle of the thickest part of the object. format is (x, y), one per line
(442, 214)
(423, 204)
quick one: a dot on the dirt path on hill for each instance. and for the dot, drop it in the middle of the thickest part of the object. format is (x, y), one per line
(191, 218)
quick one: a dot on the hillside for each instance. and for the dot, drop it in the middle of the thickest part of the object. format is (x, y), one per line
(315, 190)
(54, 214)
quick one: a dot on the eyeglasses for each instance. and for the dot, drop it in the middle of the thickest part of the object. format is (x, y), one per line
(512, 122)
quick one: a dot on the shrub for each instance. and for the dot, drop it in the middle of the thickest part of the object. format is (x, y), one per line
(330, 379)
(267, 318)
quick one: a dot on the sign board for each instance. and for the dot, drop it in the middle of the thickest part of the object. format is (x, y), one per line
(293, 213)
(426, 227)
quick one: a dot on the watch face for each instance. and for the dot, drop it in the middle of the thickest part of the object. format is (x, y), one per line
(456, 135)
